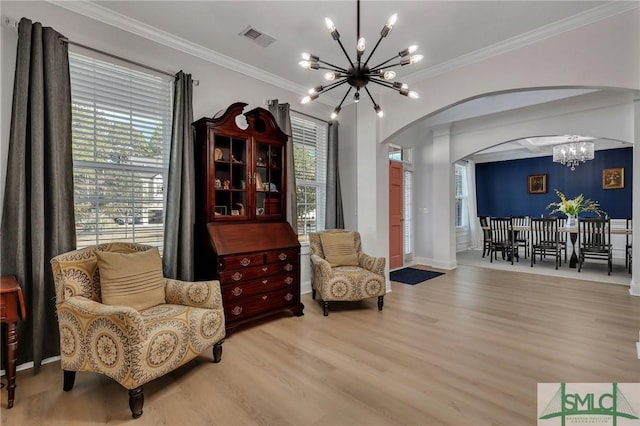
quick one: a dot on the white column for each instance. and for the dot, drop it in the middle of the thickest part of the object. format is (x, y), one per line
(372, 163)
(443, 201)
(634, 287)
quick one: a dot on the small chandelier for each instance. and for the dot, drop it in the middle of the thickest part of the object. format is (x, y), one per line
(573, 153)
(358, 73)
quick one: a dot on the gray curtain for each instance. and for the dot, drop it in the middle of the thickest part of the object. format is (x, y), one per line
(283, 119)
(37, 217)
(334, 217)
(177, 258)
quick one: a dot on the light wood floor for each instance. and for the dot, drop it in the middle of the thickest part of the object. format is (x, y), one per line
(466, 348)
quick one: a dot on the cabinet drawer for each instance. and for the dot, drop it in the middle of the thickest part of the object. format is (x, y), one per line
(241, 261)
(233, 291)
(234, 276)
(258, 304)
(276, 256)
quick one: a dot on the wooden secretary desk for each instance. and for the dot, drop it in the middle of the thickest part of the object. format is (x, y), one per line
(241, 235)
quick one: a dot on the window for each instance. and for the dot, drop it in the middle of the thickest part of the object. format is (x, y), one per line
(310, 164)
(408, 210)
(461, 196)
(398, 153)
(121, 130)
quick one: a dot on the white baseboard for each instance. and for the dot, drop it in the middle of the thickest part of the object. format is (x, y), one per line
(28, 365)
(434, 263)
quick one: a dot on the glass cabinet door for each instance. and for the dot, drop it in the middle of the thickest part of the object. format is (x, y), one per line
(269, 179)
(230, 158)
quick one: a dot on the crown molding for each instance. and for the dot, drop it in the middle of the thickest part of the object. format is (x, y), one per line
(133, 26)
(123, 22)
(564, 25)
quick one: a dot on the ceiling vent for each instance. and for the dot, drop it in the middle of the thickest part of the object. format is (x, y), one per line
(259, 37)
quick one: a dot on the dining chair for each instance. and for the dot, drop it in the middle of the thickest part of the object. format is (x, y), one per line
(594, 241)
(562, 222)
(522, 235)
(486, 234)
(502, 239)
(545, 239)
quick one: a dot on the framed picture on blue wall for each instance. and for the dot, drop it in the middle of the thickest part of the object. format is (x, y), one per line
(613, 178)
(537, 184)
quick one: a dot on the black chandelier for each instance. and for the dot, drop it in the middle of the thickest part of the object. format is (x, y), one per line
(358, 74)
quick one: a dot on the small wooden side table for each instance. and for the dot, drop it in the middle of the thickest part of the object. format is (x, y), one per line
(11, 308)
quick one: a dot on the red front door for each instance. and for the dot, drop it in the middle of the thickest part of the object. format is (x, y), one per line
(395, 215)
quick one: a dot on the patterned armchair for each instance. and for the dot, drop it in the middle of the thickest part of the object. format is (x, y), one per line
(131, 346)
(344, 280)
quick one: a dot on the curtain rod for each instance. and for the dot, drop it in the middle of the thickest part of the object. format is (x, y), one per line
(309, 115)
(111, 55)
(13, 24)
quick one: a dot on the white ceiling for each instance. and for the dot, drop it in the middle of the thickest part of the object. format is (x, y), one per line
(445, 31)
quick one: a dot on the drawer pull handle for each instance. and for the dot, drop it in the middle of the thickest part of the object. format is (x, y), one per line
(264, 297)
(288, 267)
(237, 310)
(264, 269)
(288, 297)
(265, 281)
(237, 291)
(282, 256)
(245, 261)
(288, 280)
(237, 276)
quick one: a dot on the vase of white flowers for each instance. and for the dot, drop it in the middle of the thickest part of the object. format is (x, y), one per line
(573, 207)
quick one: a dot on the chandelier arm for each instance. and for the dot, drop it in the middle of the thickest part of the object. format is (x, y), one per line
(337, 68)
(384, 63)
(384, 83)
(334, 85)
(380, 68)
(373, 50)
(370, 97)
(332, 69)
(345, 52)
(344, 97)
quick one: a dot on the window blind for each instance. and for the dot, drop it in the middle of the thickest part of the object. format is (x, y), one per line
(310, 164)
(121, 131)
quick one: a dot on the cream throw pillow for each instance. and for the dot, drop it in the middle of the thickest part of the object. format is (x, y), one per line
(131, 279)
(339, 248)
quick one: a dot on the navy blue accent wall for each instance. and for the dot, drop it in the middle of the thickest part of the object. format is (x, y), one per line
(501, 187)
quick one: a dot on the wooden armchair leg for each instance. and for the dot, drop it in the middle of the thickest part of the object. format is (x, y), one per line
(380, 302)
(68, 379)
(136, 401)
(325, 308)
(313, 293)
(217, 352)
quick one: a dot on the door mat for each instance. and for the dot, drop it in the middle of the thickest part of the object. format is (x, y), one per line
(413, 276)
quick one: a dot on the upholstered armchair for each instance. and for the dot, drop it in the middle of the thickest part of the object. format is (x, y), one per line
(341, 271)
(119, 316)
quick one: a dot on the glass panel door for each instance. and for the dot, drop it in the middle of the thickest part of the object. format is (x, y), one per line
(269, 179)
(230, 155)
